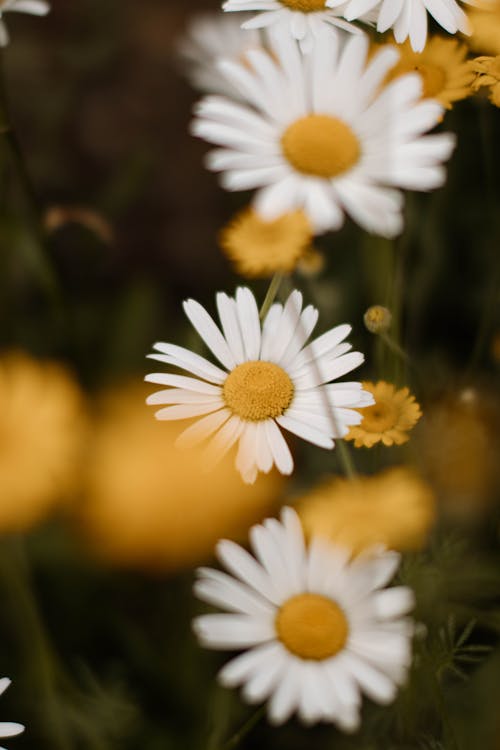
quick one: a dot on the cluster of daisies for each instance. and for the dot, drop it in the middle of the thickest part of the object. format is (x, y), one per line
(308, 109)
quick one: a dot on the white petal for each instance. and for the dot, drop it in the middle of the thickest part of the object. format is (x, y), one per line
(280, 450)
(209, 332)
(232, 631)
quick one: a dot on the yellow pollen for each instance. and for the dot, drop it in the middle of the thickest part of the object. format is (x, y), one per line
(433, 79)
(312, 626)
(320, 145)
(305, 6)
(380, 417)
(258, 390)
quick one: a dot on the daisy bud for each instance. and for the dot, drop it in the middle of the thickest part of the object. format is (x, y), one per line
(377, 319)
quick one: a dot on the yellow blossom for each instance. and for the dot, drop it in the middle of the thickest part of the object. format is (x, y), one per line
(446, 75)
(377, 319)
(392, 416)
(42, 432)
(395, 508)
(484, 20)
(150, 504)
(259, 248)
(487, 70)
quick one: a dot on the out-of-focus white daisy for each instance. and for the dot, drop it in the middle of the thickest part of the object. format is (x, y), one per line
(271, 379)
(209, 37)
(8, 728)
(320, 133)
(34, 7)
(407, 18)
(319, 628)
(302, 19)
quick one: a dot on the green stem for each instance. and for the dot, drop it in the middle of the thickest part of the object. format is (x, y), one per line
(47, 275)
(247, 727)
(271, 294)
(346, 459)
(35, 646)
(395, 347)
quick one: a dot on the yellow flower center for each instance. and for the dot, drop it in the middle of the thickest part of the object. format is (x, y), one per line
(305, 6)
(320, 145)
(380, 417)
(433, 79)
(312, 626)
(258, 390)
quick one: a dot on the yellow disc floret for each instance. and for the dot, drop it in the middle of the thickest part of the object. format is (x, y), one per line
(320, 145)
(305, 6)
(312, 626)
(258, 390)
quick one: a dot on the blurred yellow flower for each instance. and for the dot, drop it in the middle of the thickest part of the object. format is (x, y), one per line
(458, 448)
(395, 508)
(485, 24)
(446, 75)
(148, 503)
(43, 426)
(487, 70)
(392, 416)
(260, 248)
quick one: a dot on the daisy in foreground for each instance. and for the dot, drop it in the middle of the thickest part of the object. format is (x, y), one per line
(270, 380)
(319, 627)
(8, 728)
(407, 18)
(34, 7)
(302, 19)
(321, 133)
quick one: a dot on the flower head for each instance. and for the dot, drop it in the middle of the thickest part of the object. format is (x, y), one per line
(407, 18)
(302, 20)
(319, 134)
(392, 416)
(377, 319)
(151, 506)
(318, 629)
(487, 71)
(210, 36)
(443, 65)
(395, 508)
(8, 728)
(34, 7)
(43, 426)
(270, 379)
(261, 248)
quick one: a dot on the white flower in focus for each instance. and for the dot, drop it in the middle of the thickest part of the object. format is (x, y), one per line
(303, 20)
(319, 628)
(8, 728)
(34, 7)
(319, 133)
(407, 18)
(209, 37)
(271, 379)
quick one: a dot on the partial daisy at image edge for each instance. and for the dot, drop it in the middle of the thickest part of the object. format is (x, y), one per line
(271, 379)
(8, 728)
(316, 627)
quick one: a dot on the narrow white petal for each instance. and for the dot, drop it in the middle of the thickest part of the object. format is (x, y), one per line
(245, 567)
(209, 332)
(202, 429)
(232, 631)
(280, 450)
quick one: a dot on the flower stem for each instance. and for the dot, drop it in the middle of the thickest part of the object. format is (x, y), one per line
(346, 459)
(271, 294)
(47, 275)
(247, 727)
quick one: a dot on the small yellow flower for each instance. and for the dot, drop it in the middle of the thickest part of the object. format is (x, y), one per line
(42, 430)
(395, 508)
(377, 319)
(446, 75)
(485, 24)
(149, 504)
(393, 415)
(487, 70)
(259, 248)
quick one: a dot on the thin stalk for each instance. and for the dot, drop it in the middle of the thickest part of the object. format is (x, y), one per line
(346, 459)
(47, 275)
(271, 294)
(247, 727)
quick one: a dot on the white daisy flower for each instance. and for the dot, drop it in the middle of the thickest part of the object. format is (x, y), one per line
(209, 37)
(407, 18)
(34, 7)
(318, 628)
(8, 728)
(302, 19)
(320, 133)
(270, 379)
